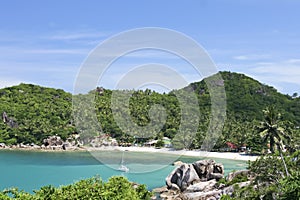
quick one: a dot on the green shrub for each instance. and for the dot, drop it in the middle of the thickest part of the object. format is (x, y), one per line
(238, 179)
(117, 188)
(226, 197)
(159, 144)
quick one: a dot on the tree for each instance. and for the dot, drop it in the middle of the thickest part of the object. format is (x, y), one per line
(255, 143)
(160, 143)
(295, 94)
(272, 131)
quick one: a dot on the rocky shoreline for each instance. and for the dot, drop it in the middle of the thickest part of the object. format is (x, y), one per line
(22, 147)
(72, 143)
(52, 143)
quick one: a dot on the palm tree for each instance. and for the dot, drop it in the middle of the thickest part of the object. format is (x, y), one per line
(272, 132)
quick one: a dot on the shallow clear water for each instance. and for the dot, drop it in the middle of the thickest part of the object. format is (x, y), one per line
(31, 170)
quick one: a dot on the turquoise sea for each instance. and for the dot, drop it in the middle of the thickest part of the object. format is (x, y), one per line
(30, 170)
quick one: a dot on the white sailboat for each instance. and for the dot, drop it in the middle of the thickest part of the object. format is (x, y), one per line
(122, 167)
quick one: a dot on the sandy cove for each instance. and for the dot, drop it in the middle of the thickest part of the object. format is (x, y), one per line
(194, 153)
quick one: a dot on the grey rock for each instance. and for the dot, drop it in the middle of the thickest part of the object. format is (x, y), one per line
(212, 198)
(160, 190)
(208, 170)
(9, 121)
(201, 195)
(188, 174)
(202, 186)
(228, 190)
(232, 175)
(2, 145)
(53, 141)
(181, 177)
(244, 184)
(178, 163)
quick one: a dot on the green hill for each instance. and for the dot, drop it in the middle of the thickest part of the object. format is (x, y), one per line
(37, 112)
(34, 112)
(246, 98)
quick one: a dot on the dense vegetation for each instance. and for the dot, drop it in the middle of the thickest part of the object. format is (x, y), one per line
(275, 175)
(39, 112)
(117, 188)
(270, 182)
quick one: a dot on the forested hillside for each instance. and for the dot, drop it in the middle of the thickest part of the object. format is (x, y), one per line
(246, 98)
(36, 112)
(31, 113)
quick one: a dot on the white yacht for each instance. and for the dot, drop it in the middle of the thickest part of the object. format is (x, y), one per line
(122, 167)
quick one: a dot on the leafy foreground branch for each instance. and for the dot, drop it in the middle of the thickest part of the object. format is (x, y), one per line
(117, 188)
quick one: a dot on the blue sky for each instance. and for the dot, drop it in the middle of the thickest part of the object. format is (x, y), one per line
(45, 42)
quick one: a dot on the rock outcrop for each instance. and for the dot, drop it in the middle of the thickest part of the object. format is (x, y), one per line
(9, 121)
(187, 174)
(178, 163)
(208, 170)
(198, 181)
(182, 177)
(2, 145)
(56, 143)
(53, 141)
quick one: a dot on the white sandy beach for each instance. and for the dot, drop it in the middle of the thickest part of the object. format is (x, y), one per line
(195, 153)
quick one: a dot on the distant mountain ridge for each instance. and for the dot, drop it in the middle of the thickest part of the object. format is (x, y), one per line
(41, 112)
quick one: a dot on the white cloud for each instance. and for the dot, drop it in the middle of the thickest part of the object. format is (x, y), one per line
(154, 54)
(58, 51)
(284, 69)
(8, 83)
(293, 61)
(240, 57)
(75, 35)
(284, 75)
(252, 57)
(149, 74)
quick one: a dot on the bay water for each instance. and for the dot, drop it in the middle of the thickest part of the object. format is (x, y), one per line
(30, 170)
